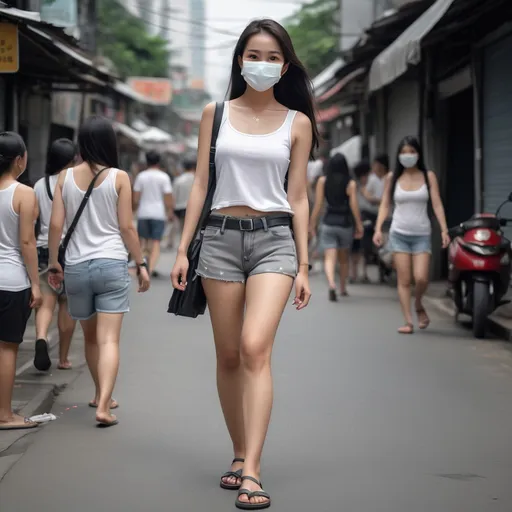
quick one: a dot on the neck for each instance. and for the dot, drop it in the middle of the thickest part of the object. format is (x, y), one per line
(6, 178)
(259, 100)
(411, 169)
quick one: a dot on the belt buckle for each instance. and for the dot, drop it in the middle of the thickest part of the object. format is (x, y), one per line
(243, 223)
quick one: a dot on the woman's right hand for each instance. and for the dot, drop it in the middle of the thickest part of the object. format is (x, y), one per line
(36, 298)
(144, 281)
(179, 272)
(377, 238)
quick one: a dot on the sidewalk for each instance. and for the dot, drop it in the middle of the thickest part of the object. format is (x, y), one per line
(500, 322)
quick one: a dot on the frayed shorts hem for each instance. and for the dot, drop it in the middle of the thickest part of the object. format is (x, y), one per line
(243, 280)
(85, 318)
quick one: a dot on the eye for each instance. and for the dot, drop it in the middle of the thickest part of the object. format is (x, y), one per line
(252, 56)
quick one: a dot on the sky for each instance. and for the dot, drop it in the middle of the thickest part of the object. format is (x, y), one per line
(233, 16)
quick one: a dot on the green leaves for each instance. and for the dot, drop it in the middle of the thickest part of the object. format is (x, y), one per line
(314, 30)
(124, 39)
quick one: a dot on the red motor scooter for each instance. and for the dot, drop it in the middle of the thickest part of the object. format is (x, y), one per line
(479, 264)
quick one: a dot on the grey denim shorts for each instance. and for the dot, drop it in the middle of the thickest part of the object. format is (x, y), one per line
(232, 255)
(336, 237)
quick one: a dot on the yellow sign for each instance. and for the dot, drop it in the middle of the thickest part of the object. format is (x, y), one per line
(9, 55)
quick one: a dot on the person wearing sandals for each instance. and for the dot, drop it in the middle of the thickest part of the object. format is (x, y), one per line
(19, 276)
(410, 189)
(249, 256)
(96, 266)
(342, 215)
(61, 155)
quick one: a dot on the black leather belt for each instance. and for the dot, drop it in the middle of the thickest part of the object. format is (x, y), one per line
(252, 224)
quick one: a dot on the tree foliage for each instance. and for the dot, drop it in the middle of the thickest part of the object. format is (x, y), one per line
(124, 39)
(314, 30)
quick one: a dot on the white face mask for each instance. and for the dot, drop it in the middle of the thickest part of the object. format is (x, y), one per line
(261, 76)
(408, 160)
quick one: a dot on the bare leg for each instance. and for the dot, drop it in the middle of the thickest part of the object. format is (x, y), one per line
(89, 328)
(66, 329)
(330, 267)
(107, 335)
(421, 266)
(44, 315)
(226, 306)
(266, 298)
(355, 259)
(403, 263)
(154, 255)
(343, 258)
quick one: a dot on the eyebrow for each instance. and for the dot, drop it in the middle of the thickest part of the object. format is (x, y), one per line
(272, 51)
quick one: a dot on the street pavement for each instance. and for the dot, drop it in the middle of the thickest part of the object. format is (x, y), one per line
(365, 420)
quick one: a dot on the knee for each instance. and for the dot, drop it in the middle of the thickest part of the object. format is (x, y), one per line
(421, 282)
(255, 354)
(404, 282)
(228, 360)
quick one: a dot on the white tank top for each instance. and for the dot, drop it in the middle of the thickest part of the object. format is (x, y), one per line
(45, 208)
(13, 274)
(251, 169)
(410, 216)
(97, 234)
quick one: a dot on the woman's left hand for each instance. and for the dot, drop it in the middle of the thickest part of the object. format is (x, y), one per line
(445, 237)
(302, 291)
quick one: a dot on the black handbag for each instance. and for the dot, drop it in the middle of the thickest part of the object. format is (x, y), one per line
(64, 245)
(192, 301)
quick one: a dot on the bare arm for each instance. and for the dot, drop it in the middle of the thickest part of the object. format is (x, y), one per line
(56, 221)
(319, 202)
(354, 205)
(298, 186)
(384, 204)
(125, 217)
(136, 200)
(27, 207)
(169, 205)
(437, 204)
(200, 186)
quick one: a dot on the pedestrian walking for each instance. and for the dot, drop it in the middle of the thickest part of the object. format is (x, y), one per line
(61, 155)
(410, 189)
(94, 200)
(19, 276)
(341, 222)
(182, 188)
(249, 256)
(152, 198)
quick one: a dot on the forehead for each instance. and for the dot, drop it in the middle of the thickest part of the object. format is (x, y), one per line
(263, 42)
(408, 149)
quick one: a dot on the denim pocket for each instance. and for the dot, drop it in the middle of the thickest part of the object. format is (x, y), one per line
(281, 231)
(114, 275)
(210, 232)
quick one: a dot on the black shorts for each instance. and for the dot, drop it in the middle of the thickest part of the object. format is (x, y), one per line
(14, 314)
(180, 213)
(356, 245)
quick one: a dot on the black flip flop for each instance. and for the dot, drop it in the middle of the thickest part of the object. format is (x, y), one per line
(42, 360)
(252, 494)
(232, 474)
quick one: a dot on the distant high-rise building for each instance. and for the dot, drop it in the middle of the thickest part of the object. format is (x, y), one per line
(197, 43)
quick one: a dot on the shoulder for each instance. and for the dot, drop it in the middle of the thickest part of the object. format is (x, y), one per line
(209, 111)
(302, 122)
(432, 178)
(389, 177)
(38, 185)
(321, 181)
(122, 178)
(24, 192)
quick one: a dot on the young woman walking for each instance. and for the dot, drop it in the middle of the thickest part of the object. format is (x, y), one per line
(61, 155)
(96, 271)
(341, 222)
(19, 277)
(410, 189)
(250, 257)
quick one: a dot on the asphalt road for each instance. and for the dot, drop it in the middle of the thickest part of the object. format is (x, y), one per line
(364, 420)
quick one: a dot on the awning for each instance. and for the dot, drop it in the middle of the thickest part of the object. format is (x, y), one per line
(128, 92)
(327, 74)
(406, 49)
(341, 84)
(128, 132)
(328, 114)
(154, 134)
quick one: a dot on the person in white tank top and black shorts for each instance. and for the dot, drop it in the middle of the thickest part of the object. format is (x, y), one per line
(19, 276)
(96, 259)
(410, 190)
(61, 155)
(250, 258)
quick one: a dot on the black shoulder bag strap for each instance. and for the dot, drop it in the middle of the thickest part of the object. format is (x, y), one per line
(48, 189)
(79, 212)
(212, 175)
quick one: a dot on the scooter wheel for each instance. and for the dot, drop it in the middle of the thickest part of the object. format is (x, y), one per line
(481, 301)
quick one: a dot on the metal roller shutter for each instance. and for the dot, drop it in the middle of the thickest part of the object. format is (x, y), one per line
(403, 110)
(497, 125)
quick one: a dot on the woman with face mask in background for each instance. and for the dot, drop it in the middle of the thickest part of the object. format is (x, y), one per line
(19, 276)
(249, 257)
(410, 189)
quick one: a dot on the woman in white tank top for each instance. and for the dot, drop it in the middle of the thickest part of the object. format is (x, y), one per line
(61, 155)
(19, 277)
(410, 189)
(249, 258)
(96, 271)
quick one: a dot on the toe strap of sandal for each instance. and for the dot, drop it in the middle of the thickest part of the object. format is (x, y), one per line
(252, 479)
(235, 474)
(260, 494)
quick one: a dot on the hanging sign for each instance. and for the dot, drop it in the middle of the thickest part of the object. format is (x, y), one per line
(9, 51)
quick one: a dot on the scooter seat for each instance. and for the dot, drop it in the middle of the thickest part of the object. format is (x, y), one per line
(482, 223)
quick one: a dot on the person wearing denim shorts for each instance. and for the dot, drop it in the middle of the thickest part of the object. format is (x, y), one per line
(410, 189)
(250, 256)
(96, 271)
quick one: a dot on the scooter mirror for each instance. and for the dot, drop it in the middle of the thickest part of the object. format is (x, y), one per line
(503, 222)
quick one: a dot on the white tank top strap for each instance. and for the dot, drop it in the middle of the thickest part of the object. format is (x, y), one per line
(289, 123)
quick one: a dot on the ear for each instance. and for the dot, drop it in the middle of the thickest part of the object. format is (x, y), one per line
(240, 62)
(285, 68)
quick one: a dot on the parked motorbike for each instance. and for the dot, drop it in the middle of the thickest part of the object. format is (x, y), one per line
(479, 265)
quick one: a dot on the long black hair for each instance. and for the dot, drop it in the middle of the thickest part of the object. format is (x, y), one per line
(12, 146)
(399, 168)
(97, 142)
(61, 153)
(338, 177)
(294, 90)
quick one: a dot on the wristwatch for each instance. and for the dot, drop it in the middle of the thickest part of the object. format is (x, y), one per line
(144, 264)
